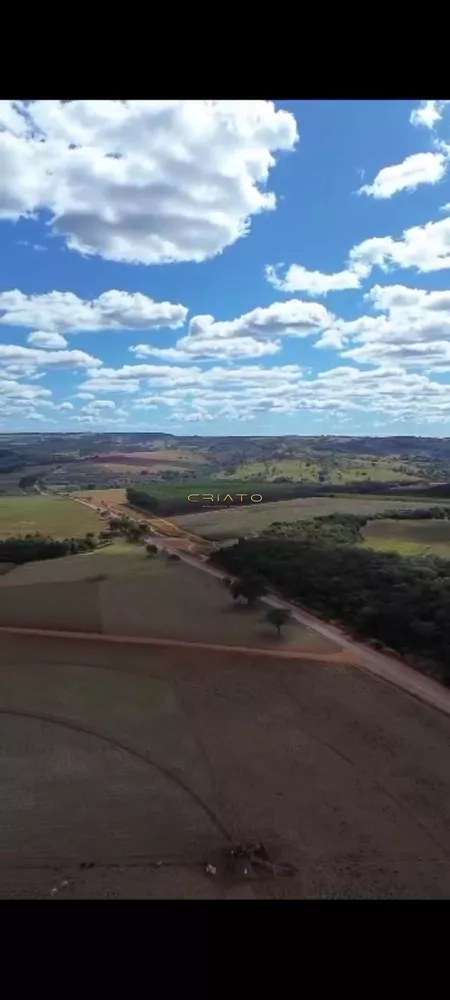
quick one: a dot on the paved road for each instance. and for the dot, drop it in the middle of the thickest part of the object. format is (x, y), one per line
(385, 667)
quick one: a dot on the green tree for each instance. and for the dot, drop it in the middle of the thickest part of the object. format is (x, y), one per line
(277, 617)
(250, 587)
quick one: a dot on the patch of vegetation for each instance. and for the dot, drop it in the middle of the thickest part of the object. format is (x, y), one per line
(401, 603)
(32, 548)
(324, 469)
(410, 537)
(222, 525)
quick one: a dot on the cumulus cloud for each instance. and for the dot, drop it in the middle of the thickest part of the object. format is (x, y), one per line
(10, 389)
(27, 359)
(99, 404)
(252, 335)
(142, 181)
(190, 349)
(113, 310)
(66, 406)
(299, 279)
(46, 340)
(419, 168)
(410, 328)
(428, 113)
(425, 248)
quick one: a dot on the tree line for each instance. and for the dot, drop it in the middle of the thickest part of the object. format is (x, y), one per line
(33, 547)
(400, 603)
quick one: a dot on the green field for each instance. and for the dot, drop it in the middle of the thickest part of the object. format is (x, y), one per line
(333, 470)
(119, 590)
(409, 537)
(222, 525)
(181, 491)
(56, 516)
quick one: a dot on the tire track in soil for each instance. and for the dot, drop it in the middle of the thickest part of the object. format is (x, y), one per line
(132, 751)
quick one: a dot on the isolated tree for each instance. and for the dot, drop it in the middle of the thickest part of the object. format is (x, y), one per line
(249, 587)
(277, 617)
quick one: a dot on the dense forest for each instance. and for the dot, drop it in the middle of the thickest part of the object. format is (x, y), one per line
(31, 548)
(399, 603)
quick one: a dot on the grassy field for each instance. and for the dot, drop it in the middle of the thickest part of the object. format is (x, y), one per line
(118, 559)
(119, 590)
(56, 516)
(345, 470)
(118, 468)
(221, 525)
(166, 455)
(409, 537)
(114, 497)
(298, 468)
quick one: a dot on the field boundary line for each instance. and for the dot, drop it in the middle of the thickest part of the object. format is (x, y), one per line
(294, 653)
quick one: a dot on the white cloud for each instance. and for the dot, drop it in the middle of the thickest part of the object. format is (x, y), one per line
(113, 310)
(99, 404)
(298, 279)
(142, 181)
(46, 340)
(108, 383)
(426, 248)
(411, 328)
(249, 392)
(252, 335)
(11, 119)
(35, 415)
(66, 406)
(190, 349)
(419, 168)
(27, 359)
(9, 389)
(428, 113)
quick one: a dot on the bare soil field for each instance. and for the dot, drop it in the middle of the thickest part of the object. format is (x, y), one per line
(114, 497)
(126, 771)
(219, 525)
(130, 594)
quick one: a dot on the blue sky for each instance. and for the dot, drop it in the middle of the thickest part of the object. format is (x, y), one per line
(225, 267)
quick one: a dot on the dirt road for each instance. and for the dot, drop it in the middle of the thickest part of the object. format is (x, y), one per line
(385, 667)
